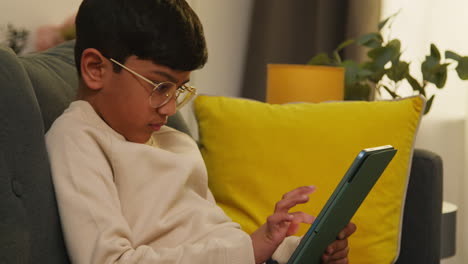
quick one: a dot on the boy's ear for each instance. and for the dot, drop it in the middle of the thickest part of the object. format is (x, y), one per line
(93, 68)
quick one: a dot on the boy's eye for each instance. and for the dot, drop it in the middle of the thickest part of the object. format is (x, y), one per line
(165, 87)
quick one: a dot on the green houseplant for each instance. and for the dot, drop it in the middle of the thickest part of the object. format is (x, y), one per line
(15, 38)
(384, 70)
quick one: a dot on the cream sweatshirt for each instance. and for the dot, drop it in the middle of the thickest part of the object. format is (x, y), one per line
(124, 202)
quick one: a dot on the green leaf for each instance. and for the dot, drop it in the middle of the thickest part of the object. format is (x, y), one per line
(392, 93)
(462, 68)
(371, 40)
(377, 76)
(320, 59)
(351, 72)
(435, 52)
(356, 86)
(364, 73)
(398, 71)
(415, 84)
(429, 68)
(374, 44)
(381, 56)
(344, 44)
(358, 91)
(452, 55)
(396, 44)
(396, 60)
(377, 71)
(434, 72)
(384, 22)
(336, 57)
(374, 53)
(429, 104)
(441, 75)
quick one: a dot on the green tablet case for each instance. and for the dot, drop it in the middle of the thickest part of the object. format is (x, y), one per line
(343, 203)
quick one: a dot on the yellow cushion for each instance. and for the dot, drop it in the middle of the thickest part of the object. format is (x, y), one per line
(255, 152)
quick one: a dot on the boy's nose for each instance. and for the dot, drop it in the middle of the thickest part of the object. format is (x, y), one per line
(168, 109)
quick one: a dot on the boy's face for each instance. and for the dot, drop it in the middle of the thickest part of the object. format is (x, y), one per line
(123, 99)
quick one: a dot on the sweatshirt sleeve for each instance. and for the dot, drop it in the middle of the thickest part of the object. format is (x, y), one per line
(285, 249)
(94, 227)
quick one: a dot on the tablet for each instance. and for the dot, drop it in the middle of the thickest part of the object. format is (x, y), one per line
(343, 203)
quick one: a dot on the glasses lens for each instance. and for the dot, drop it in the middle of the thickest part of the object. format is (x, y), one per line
(165, 87)
(162, 94)
(184, 96)
(165, 91)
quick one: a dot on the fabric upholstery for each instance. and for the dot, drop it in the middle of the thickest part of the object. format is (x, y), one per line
(34, 90)
(54, 79)
(29, 223)
(423, 202)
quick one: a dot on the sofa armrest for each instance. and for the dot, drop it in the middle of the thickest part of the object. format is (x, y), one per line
(420, 241)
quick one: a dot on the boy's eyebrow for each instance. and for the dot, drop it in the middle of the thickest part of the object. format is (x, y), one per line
(169, 77)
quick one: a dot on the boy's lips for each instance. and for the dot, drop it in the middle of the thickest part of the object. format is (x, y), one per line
(157, 127)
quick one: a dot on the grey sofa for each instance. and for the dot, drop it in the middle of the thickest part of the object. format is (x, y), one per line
(36, 88)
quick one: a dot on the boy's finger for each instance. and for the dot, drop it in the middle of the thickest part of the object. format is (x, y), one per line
(286, 204)
(303, 190)
(347, 231)
(278, 218)
(337, 245)
(341, 255)
(301, 217)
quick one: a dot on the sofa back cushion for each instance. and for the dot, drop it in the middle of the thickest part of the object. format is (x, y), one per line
(29, 222)
(34, 90)
(54, 79)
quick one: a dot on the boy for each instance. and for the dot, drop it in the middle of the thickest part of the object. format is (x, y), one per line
(129, 189)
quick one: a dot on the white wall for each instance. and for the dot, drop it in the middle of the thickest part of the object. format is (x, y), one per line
(226, 25)
(443, 23)
(31, 14)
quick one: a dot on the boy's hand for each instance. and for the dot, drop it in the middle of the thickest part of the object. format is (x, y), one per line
(337, 252)
(281, 223)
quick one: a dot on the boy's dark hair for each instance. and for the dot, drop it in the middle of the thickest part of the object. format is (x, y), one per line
(167, 32)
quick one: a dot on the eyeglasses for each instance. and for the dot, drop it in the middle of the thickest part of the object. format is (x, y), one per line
(163, 92)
